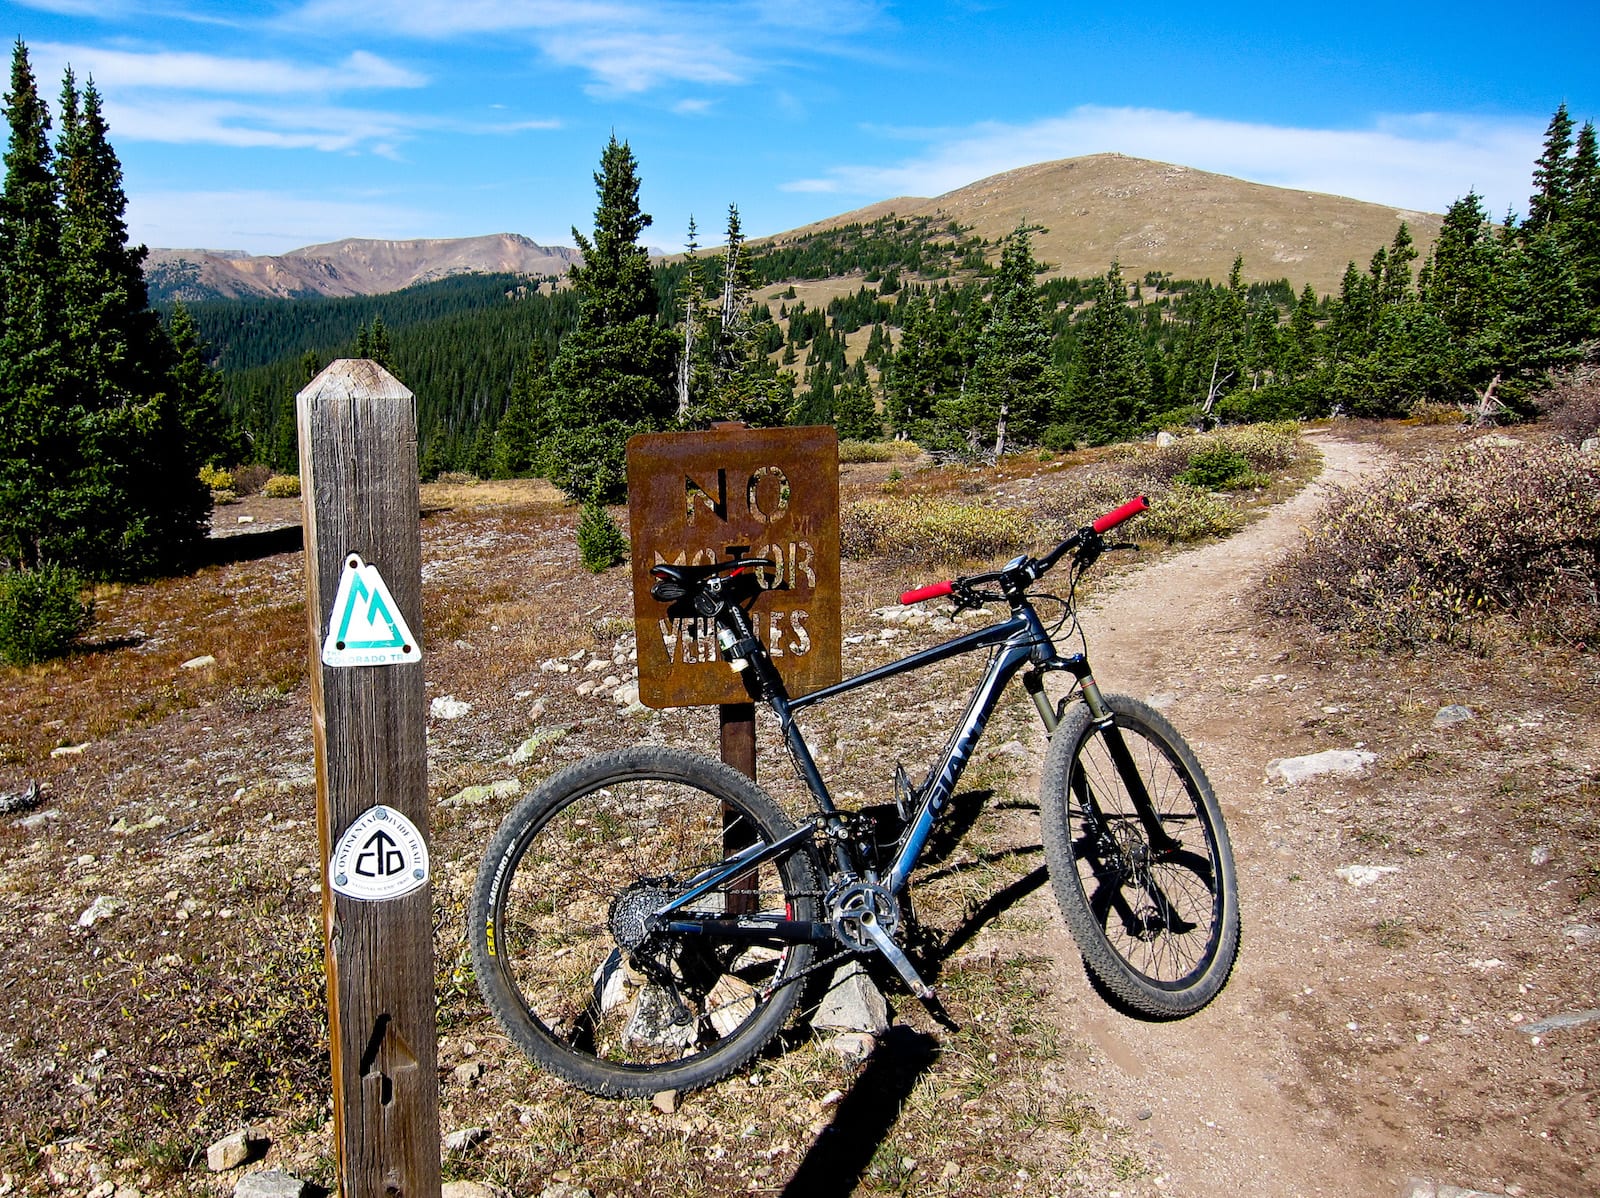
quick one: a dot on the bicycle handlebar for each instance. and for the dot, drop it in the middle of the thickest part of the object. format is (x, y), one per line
(1034, 569)
(1116, 516)
(932, 591)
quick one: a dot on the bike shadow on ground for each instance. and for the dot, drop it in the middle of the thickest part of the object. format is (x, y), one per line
(954, 822)
(862, 1121)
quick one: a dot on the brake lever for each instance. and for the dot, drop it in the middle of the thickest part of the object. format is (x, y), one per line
(1134, 545)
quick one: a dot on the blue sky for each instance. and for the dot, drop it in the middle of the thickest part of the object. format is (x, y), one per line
(265, 126)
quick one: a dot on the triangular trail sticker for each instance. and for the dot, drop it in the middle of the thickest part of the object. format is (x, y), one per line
(365, 627)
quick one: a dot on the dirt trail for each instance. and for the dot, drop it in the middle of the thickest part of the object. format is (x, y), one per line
(1219, 1096)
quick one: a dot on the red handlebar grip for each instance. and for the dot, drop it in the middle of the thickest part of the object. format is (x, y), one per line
(932, 591)
(1127, 511)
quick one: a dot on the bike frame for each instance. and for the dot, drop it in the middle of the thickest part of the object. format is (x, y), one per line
(1019, 641)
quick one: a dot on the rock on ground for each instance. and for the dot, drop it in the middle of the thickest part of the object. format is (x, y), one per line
(1292, 770)
(270, 1183)
(853, 1003)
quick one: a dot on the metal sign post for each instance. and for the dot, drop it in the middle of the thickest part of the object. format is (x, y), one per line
(737, 492)
(358, 474)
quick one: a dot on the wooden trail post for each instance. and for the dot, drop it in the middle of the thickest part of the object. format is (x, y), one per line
(358, 473)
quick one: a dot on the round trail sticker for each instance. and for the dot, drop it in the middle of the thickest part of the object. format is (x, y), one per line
(381, 856)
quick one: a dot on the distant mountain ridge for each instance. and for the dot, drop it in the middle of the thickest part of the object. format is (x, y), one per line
(354, 266)
(1149, 216)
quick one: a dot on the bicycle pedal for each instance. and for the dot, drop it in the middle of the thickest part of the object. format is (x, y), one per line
(940, 1015)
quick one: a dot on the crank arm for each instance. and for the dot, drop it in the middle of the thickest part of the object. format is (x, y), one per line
(881, 941)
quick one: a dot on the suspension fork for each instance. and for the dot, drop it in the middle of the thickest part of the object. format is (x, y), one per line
(1106, 724)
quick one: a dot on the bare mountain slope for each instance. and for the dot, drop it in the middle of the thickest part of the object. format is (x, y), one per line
(354, 266)
(1157, 216)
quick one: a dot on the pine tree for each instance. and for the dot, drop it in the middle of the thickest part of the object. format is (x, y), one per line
(1301, 344)
(1552, 173)
(1394, 276)
(613, 374)
(1108, 390)
(854, 413)
(1584, 217)
(692, 291)
(521, 430)
(731, 355)
(198, 390)
(38, 440)
(139, 463)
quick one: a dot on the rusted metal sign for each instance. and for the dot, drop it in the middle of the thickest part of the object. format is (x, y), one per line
(737, 492)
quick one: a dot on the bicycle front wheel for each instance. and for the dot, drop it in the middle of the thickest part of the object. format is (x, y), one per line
(563, 943)
(1157, 924)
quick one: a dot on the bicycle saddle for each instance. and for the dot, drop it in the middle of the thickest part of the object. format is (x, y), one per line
(678, 581)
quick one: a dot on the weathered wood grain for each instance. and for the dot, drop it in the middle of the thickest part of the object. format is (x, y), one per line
(358, 473)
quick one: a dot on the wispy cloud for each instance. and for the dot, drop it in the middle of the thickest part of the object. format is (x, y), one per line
(627, 48)
(1421, 162)
(329, 128)
(268, 222)
(637, 61)
(438, 19)
(184, 121)
(187, 71)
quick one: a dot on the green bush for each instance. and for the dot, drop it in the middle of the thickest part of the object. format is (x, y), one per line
(600, 542)
(282, 486)
(41, 613)
(1216, 468)
(217, 479)
(1059, 437)
(1437, 550)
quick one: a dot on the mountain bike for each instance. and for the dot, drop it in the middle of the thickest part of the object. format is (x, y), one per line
(644, 920)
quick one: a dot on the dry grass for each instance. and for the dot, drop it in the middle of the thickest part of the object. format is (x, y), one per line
(203, 991)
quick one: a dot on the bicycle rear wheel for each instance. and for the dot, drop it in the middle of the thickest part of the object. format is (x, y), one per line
(559, 934)
(1158, 926)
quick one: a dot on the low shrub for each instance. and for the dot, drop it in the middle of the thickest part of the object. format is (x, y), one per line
(929, 530)
(248, 480)
(1572, 406)
(601, 544)
(282, 486)
(878, 451)
(1437, 550)
(1186, 513)
(217, 479)
(42, 613)
(1427, 412)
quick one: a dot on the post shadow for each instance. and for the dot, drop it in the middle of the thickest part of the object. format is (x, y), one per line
(865, 1116)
